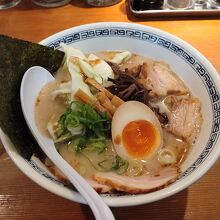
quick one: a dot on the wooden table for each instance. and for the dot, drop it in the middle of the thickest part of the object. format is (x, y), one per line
(20, 198)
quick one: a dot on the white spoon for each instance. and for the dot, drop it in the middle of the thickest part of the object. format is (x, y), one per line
(33, 81)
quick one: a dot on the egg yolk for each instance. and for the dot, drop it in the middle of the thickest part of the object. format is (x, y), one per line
(139, 137)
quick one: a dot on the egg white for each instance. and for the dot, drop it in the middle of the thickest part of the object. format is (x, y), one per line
(126, 113)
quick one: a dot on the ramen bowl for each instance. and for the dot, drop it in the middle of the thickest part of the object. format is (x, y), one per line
(189, 64)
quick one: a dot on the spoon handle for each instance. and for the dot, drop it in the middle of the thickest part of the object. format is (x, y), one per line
(34, 79)
(100, 209)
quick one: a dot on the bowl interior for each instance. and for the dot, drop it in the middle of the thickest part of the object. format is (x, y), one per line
(197, 73)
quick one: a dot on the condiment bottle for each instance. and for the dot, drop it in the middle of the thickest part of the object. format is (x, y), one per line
(101, 3)
(147, 4)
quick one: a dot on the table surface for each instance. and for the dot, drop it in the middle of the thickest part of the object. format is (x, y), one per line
(20, 198)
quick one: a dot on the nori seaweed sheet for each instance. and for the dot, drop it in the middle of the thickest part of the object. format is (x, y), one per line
(16, 56)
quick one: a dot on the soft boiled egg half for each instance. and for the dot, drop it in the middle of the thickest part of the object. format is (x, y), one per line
(136, 131)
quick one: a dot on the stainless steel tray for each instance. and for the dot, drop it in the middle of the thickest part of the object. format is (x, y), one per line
(206, 10)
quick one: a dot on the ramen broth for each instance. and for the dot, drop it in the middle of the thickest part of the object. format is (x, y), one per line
(86, 164)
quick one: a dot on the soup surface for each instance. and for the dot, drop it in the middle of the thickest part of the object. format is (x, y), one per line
(123, 121)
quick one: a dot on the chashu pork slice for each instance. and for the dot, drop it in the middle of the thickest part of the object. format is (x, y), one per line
(98, 187)
(161, 80)
(140, 184)
(185, 118)
(131, 66)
